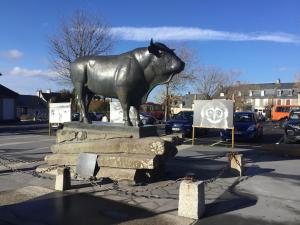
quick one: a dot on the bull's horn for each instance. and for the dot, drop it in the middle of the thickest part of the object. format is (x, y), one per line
(151, 41)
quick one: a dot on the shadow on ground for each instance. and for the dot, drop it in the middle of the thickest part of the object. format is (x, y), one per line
(71, 209)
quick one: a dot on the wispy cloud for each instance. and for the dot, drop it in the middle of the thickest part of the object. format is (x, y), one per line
(197, 34)
(12, 54)
(18, 71)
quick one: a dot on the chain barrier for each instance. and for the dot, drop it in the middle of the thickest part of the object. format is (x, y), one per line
(5, 162)
(136, 192)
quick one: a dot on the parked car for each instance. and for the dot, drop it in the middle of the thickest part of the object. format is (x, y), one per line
(246, 127)
(182, 122)
(292, 127)
(147, 119)
(92, 116)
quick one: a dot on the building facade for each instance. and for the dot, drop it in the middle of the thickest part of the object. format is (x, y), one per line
(7, 104)
(261, 96)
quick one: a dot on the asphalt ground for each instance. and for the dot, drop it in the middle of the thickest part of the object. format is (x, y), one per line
(266, 194)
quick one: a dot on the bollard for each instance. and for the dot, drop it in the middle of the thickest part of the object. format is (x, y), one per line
(236, 162)
(63, 179)
(191, 199)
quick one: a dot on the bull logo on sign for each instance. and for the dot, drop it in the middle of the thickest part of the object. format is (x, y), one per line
(214, 113)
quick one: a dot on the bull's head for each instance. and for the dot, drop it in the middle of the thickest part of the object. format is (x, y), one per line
(165, 62)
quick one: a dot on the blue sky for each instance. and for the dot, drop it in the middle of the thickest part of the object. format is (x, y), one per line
(259, 38)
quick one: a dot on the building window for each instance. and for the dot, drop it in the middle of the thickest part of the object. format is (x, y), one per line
(250, 93)
(288, 102)
(278, 92)
(262, 93)
(278, 102)
(290, 92)
(222, 94)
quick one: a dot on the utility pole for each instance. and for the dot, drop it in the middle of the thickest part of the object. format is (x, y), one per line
(167, 102)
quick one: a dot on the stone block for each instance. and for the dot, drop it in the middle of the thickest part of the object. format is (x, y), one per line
(191, 199)
(117, 173)
(122, 160)
(63, 179)
(150, 145)
(107, 128)
(75, 135)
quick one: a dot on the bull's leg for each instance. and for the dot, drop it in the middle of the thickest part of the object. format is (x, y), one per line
(126, 118)
(138, 118)
(88, 99)
(80, 99)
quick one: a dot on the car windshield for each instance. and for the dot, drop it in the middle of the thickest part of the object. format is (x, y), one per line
(243, 117)
(295, 115)
(184, 115)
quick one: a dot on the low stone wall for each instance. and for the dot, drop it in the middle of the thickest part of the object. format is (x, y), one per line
(120, 155)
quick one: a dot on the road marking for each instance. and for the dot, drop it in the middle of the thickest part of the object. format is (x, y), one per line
(25, 142)
(218, 142)
(20, 137)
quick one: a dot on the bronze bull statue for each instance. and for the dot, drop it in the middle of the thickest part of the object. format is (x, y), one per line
(129, 77)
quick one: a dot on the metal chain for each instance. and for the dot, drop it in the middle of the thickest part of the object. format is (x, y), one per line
(116, 186)
(4, 161)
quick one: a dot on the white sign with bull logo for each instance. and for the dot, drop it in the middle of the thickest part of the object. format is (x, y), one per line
(217, 113)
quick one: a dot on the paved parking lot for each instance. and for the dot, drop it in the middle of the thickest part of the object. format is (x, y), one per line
(265, 188)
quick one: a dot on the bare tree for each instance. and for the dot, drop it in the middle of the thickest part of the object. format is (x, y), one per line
(82, 35)
(210, 80)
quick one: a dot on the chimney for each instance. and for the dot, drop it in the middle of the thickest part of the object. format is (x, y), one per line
(278, 81)
(39, 93)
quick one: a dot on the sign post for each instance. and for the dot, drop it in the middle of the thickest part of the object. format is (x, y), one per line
(59, 113)
(217, 113)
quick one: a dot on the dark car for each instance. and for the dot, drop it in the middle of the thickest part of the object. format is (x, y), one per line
(147, 119)
(92, 116)
(182, 122)
(246, 127)
(292, 127)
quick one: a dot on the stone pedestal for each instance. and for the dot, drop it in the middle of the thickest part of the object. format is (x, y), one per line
(191, 199)
(63, 179)
(130, 153)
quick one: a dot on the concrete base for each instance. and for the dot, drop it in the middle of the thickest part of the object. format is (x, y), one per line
(63, 179)
(191, 199)
(236, 162)
(135, 132)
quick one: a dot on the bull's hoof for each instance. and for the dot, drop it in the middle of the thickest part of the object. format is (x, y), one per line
(86, 120)
(128, 123)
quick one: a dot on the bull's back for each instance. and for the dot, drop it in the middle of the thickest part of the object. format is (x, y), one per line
(97, 73)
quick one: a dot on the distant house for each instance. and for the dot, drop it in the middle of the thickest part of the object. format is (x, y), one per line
(7, 104)
(185, 102)
(32, 106)
(265, 95)
(50, 96)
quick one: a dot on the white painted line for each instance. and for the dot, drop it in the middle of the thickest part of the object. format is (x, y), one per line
(25, 142)
(218, 142)
(20, 137)
(187, 140)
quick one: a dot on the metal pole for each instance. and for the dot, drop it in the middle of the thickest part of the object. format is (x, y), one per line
(232, 138)
(167, 102)
(193, 136)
